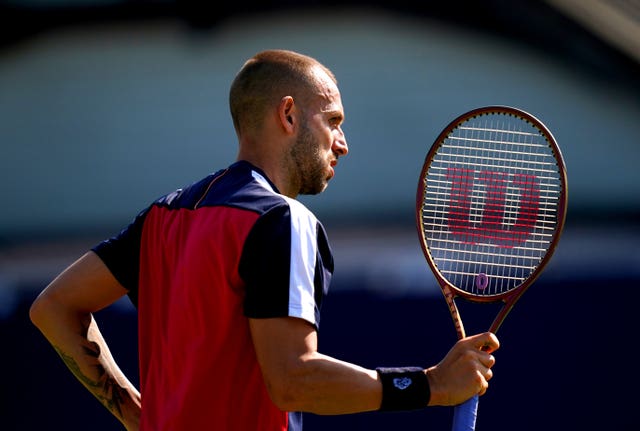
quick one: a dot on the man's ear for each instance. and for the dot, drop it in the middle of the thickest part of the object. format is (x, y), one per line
(286, 113)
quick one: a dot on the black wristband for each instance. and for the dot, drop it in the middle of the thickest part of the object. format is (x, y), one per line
(405, 388)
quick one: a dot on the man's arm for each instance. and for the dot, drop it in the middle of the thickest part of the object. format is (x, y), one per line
(299, 378)
(63, 313)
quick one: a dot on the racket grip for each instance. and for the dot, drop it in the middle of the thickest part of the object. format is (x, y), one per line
(464, 415)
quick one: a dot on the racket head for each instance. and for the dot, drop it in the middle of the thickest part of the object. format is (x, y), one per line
(491, 205)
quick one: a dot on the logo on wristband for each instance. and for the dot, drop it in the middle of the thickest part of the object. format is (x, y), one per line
(402, 383)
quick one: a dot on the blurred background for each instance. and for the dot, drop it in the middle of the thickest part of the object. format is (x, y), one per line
(106, 105)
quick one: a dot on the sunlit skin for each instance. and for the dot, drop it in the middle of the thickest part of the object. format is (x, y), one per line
(315, 155)
(320, 140)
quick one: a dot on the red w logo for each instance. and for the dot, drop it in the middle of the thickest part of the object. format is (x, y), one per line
(520, 190)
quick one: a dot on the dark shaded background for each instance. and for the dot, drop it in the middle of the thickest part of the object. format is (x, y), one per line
(555, 370)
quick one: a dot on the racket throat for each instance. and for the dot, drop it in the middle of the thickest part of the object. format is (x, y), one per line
(455, 314)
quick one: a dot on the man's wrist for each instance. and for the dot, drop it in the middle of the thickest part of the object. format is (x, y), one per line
(403, 388)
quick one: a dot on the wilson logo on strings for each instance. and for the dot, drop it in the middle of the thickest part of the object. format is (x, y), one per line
(492, 207)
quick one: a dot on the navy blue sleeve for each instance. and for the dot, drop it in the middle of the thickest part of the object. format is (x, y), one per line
(264, 265)
(286, 264)
(121, 254)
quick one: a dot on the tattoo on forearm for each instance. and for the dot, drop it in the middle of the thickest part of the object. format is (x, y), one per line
(106, 389)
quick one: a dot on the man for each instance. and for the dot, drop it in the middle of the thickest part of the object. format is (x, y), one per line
(228, 277)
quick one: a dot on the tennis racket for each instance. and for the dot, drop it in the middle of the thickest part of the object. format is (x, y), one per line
(490, 208)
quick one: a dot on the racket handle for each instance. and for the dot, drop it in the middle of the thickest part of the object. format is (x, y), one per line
(464, 415)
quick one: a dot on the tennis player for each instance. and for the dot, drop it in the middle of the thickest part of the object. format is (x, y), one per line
(228, 276)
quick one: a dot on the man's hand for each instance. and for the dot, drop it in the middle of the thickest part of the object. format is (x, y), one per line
(464, 372)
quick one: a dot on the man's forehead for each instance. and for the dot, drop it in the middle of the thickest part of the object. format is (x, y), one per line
(328, 91)
(324, 82)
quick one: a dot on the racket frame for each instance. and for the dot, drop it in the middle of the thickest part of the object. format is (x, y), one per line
(510, 297)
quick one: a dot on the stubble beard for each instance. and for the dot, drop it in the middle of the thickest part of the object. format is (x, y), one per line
(308, 163)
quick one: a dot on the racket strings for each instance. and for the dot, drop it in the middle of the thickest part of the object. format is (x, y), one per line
(490, 207)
